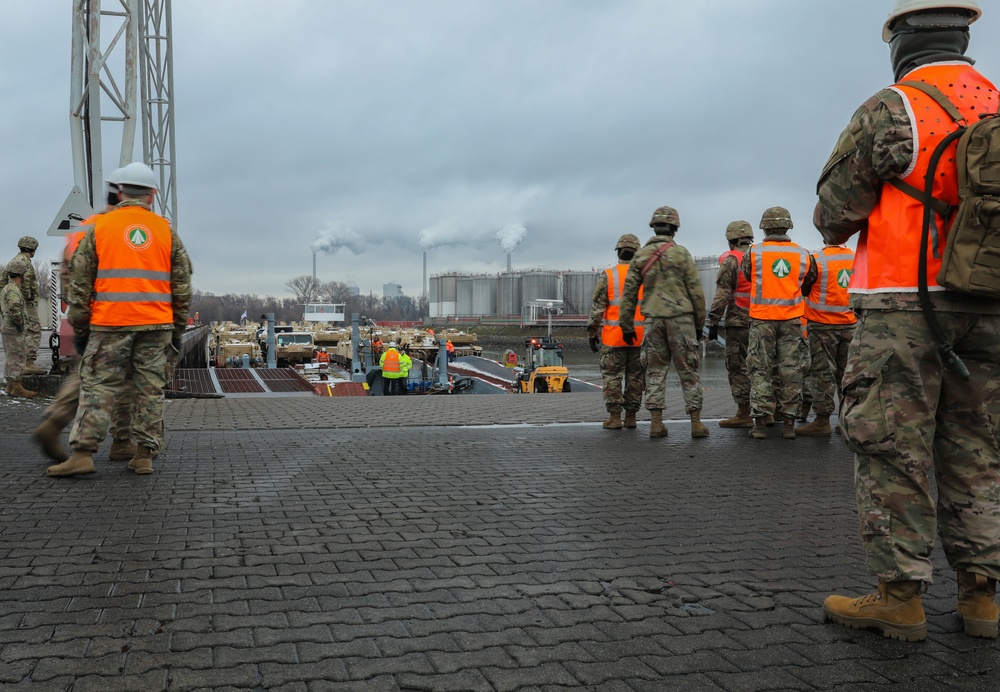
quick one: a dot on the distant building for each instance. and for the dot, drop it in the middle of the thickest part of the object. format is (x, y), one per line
(392, 290)
(353, 290)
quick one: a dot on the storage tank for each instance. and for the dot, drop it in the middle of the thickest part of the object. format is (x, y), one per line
(539, 285)
(463, 292)
(434, 296)
(484, 295)
(449, 295)
(708, 272)
(509, 294)
(578, 291)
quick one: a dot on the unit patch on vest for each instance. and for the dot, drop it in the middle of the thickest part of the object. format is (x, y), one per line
(138, 237)
(781, 268)
(844, 278)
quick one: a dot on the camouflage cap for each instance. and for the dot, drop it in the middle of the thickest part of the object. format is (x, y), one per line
(739, 229)
(666, 215)
(28, 243)
(18, 267)
(628, 241)
(776, 217)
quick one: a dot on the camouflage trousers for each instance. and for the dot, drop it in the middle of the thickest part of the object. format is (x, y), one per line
(109, 358)
(914, 424)
(776, 345)
(618, 366)
(32, 332)
(737, 339)
(62, 411)
(672, 339)
(14, 355)
(828, 353)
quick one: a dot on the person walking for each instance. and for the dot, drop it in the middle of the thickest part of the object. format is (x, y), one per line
(620, 362)
(916, 425)
(32, 332)
(130, 291)
(779, 272)
(673, 309)
(14, 309)
(830, 327)
(731, 307)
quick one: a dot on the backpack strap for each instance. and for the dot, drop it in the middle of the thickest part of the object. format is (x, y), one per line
(940, 98)
(943, 209)
(655, 258)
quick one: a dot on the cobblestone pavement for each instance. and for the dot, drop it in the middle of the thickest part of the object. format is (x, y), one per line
(281, 544)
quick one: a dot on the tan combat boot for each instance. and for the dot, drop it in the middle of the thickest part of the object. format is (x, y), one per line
(16, 389)
(769, 420)
(47, 435)
(977, 604)
(78, 464)
(818, 428)
(6, 387)
(788, 429)
(121, 451)
(656, 427)
(742, 418)
(803, 414)
(894, 610)
(31, 369)
(630, 420)
(142, 462)
(614, 421)
(698, 428)
(759, 429)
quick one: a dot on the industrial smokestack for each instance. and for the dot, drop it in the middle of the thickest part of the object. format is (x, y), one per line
(314, 266)
(508, 263)
(425, 276)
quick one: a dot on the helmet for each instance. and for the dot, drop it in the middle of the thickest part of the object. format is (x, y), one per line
(27, 243)
(137, 174)
(392, 344)
(666, 215)
(629, 241)
(739, 229)
(776, 217)
(18, 266)
(908, 6)
(114, 177)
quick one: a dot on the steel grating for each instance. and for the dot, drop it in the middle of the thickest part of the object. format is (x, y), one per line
(193, 381)
(283, 380)
(237, 381)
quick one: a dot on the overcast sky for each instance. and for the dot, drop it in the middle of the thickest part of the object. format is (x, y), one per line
(382, 128)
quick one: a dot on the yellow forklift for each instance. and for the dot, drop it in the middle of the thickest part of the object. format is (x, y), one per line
(544, 371)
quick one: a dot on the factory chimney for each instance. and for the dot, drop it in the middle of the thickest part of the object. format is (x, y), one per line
(424, 285)
(508, 263)
(314, 267)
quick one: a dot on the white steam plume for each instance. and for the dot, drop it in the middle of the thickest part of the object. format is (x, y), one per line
(330, 240)
(440, 234)
(511, 235)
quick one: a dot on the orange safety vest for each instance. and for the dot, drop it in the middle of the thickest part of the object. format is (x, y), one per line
(889, 249)
(450, 347)
(323, 357)
(777, 268)
(611, 334)
(828, 302)
(742, 294)
(391, 362)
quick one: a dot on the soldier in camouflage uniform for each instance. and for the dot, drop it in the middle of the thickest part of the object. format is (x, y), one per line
(779, 272)
(129, 295)
(673, 306)
(14, 310)
(620, 362)
(910, 419)
(732, 305)
(29, 289)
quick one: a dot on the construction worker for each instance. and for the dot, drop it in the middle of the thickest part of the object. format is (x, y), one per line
(620, 362)
(450, 347)
(830, 328)
(731, 305)
(323, 356)
(14, 308)
(908, 417)
(32, 332)
(130, 291)
(673, 309)
(779, 272)
(62, 411)
(391, 369)
(405, 364)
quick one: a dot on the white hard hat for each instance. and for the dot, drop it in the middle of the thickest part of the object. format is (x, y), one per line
(113, 178)
(138, 174)
(392, 344)
(906, 6)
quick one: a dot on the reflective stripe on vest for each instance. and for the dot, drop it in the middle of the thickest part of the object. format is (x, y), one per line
(742, 294)
(611, 333)
(778, 268)
(889, 249)
(133, 269)
(828, 302)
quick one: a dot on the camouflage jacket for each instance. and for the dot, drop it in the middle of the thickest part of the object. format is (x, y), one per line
(877, 145)
(13, 307)
(724, 304)
(812, 273)
(598, 307)
(671, 287)
(83, 275)
(29, 284)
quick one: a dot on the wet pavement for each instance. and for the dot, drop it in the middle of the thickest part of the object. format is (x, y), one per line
(448, 543)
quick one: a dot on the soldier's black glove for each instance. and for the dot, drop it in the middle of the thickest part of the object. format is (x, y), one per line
(80, 342)
(629, 336)
(593, 344)
(713, 332)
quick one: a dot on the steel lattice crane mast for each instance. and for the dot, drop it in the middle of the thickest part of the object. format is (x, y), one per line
(121, 71)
